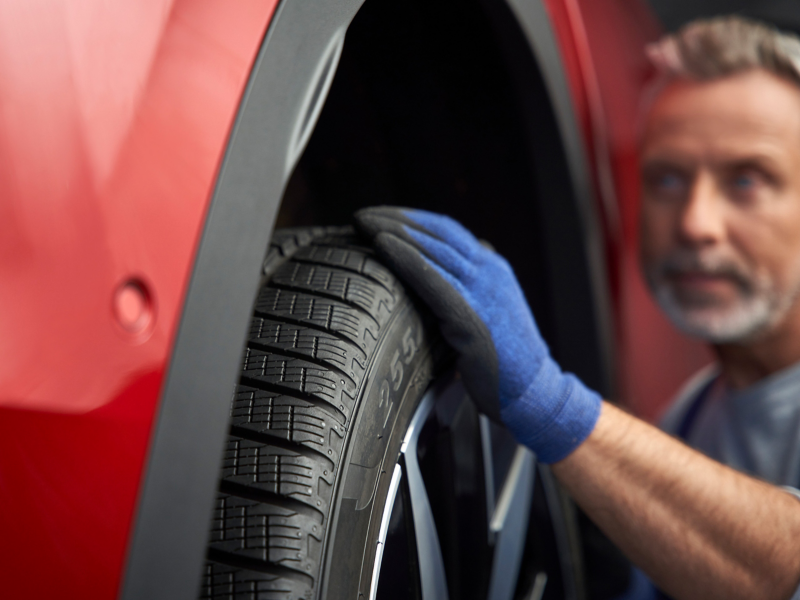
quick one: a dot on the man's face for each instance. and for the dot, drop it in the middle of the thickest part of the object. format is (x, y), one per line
(720, 228)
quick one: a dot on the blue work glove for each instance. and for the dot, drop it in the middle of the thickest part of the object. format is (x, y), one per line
(505, 364)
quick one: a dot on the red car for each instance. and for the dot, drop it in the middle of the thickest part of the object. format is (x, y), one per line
(149, 147)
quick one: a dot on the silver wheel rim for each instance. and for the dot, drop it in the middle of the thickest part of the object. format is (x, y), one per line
(508, 511)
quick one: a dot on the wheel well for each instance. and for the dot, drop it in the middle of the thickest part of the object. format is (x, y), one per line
(441, 105)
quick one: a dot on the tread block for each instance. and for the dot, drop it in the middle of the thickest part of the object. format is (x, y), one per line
(223, 582)
(298, 340)
(352, 259)
(286, 242)
(346, 258)
(263, 532)
(278, 471)
(298, 375)
(349, 287)
(287, 418)
(321, 313)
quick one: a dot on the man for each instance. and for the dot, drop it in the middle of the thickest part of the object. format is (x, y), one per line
(720, 160)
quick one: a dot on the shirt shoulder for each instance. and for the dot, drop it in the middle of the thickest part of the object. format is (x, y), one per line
(672, 418)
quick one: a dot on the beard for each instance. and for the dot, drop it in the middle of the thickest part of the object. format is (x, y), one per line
(758, 303)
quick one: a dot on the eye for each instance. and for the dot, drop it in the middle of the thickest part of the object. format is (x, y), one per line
(663, 180)
(667, 183)
(744, 182)
(670, 182)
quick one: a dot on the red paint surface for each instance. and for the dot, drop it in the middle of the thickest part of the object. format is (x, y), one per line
(603, 51)
(114, 117)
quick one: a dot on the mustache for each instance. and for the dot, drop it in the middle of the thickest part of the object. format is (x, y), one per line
(712, 263)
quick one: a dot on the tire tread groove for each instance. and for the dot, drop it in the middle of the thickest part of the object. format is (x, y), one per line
(248, 492)
(278, 442)
(320, 362)
(253, 564)
(322, 294)
(294, 393)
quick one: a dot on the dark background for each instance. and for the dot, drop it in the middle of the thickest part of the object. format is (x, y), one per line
(674, 13)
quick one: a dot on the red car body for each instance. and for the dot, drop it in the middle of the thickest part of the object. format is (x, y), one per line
(115, 124)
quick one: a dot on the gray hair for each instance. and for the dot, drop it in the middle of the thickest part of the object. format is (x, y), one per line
(713, 48)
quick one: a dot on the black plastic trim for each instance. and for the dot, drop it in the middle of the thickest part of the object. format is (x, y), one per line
(288, 83)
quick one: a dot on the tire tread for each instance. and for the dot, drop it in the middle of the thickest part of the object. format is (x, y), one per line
(321, 311)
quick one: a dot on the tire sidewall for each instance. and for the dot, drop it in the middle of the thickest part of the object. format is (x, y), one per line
(401, 371)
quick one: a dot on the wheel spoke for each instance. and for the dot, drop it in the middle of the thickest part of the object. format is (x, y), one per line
(385, 518)
(509, 523)
(433, 580)
(537, 591)
(488, 472)
(564, 539)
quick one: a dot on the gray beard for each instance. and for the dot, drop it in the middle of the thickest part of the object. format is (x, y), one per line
(721, 325)
(757, 309)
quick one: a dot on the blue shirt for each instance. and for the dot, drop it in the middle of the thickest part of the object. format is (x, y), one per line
(755, 430)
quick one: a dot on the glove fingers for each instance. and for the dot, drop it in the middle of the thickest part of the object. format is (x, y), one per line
(435, 286)
(393, 221)
(448, 230)
(442, 254)
(375, 219)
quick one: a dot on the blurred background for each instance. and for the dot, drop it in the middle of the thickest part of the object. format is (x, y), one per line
(674, 13)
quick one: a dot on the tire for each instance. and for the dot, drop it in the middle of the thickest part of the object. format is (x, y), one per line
(336, 362)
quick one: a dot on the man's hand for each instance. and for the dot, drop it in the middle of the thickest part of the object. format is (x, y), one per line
(505, 364)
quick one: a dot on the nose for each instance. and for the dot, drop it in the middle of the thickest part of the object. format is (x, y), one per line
(701, 221)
